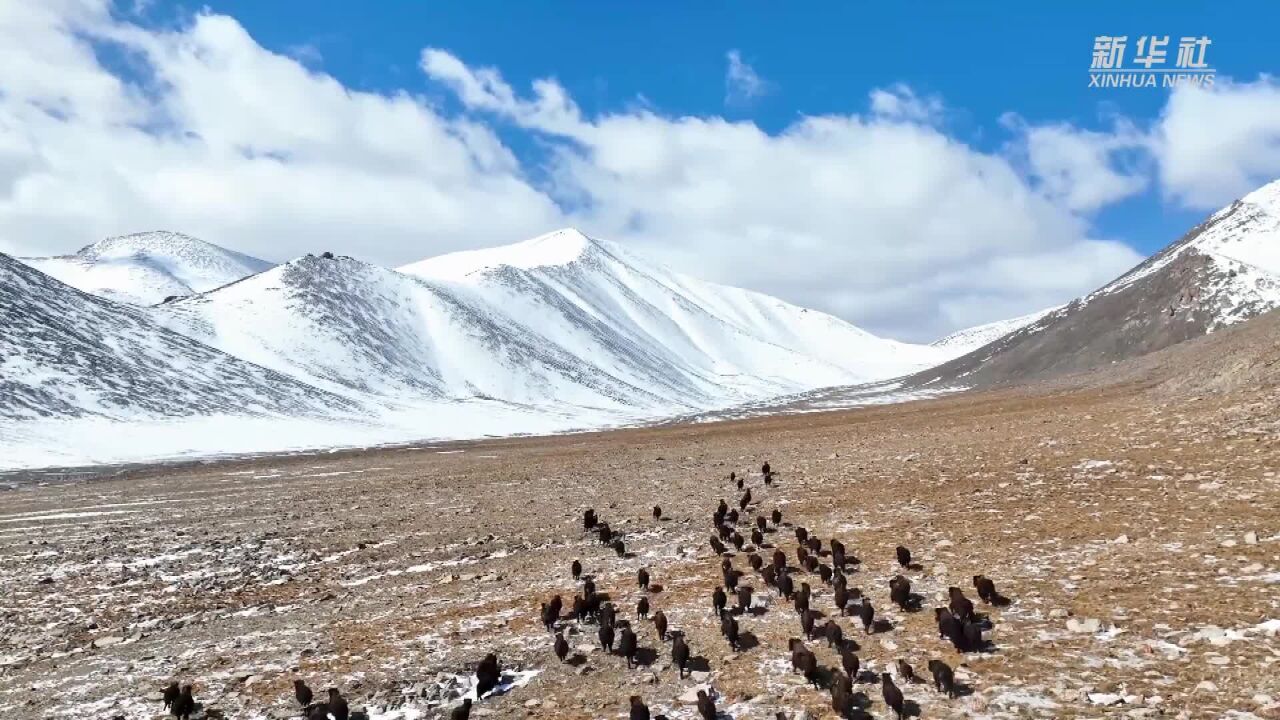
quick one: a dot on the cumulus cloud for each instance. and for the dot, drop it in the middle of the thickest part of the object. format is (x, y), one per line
(1082, 169)
(1216, 144)
(879, 216)
(741, 83)
(206, 132)
(888, 222)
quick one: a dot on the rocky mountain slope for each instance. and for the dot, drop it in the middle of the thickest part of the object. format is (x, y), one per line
(1222, 272)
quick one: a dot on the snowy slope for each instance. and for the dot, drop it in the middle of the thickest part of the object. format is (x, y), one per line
(145, 268)
(560, 321)
(967, 340)
(711, 343)
(1224, 271)
(363, 330)
(64, 353)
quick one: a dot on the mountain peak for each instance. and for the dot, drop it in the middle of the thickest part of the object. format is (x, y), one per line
(149, 242)
(1268, 194)
(559, 247)
(147, 267)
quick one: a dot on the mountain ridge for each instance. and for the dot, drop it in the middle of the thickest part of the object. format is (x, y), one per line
(67, 353)
(582, 320)
(146, 268)
(1192, 287)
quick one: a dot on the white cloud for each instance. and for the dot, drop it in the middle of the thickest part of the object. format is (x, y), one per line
(741, 83)
(900, 102)
(550, 110)
(1216, 144)
(880, 220)
(1080, 168)
(880, 217)
(235, 144)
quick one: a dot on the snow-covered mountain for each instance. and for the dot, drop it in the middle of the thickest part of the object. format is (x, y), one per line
(603, 303)
(1224, 271)
(969, 339)
(561, 319)
(145, 268)
(555, 333)
(64, 353)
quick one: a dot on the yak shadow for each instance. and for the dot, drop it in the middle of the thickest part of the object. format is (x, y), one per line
(747, 641)
(851, 645)
(825, 676)
(867, 676)
(655, 588)
(881, 625)
(698, 663)
(915, 566)
(576, 660)
(915, 601)
(986, 647)
(646, 656)
(961, 689)
(910, 708)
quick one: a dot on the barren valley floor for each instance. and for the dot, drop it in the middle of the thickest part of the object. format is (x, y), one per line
(1135, 531)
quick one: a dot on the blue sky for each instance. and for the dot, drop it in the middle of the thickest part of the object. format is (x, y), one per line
(983, 59)
(913, 170)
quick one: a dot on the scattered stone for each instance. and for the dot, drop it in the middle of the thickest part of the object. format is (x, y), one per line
(1088, 625)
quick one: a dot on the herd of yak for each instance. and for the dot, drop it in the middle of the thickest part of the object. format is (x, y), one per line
(957, 622)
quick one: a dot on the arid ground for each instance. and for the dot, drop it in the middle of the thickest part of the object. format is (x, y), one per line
(1136, 526)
